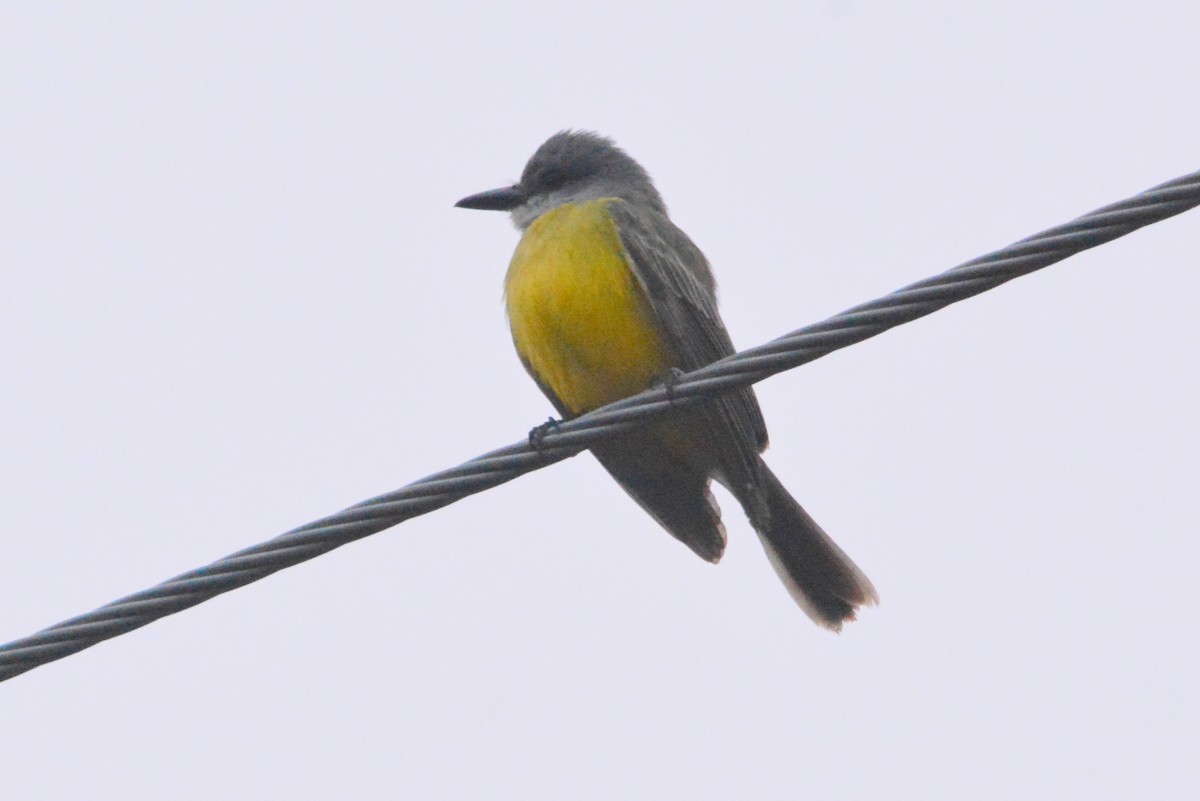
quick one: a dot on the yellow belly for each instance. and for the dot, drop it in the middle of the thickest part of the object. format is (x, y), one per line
(579, 319)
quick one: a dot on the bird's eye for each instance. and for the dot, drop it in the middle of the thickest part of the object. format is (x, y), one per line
(553, 177)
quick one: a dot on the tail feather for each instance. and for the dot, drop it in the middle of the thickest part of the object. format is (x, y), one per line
(817, 573)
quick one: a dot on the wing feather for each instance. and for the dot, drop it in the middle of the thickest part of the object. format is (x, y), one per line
(682, 293)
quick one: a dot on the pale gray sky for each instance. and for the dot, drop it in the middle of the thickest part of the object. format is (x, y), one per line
(236, 297)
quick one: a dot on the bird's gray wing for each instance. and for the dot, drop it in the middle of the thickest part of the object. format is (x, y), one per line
(682, 293)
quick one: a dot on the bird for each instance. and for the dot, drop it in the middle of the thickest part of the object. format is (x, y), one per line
(606, 297)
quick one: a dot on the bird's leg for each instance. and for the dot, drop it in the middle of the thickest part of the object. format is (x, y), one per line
(667, 381)
(538, 433)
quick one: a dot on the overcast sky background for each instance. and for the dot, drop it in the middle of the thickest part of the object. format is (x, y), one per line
(235, 296)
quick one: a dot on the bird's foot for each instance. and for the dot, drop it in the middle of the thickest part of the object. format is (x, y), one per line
(538, 433)
(667, 381)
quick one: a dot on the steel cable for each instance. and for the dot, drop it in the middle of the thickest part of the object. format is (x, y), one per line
(562, 440)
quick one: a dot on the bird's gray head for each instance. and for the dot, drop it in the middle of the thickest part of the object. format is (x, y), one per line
(570, 167)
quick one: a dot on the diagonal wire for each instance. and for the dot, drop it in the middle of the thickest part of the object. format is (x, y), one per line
(569, 438)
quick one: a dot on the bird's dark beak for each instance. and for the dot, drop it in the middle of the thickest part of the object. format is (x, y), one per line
(504, 199)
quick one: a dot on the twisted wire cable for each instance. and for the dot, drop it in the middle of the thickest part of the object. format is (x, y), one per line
(560, 441)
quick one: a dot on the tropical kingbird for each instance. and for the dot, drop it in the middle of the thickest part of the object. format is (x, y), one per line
(606, 297)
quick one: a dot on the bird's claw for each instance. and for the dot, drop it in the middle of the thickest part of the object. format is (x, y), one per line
(667, 381)
(538, 433)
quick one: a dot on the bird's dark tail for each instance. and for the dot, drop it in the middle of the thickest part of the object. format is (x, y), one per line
(817, 573)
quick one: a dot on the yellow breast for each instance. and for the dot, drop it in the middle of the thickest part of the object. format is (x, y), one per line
(579, 319)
